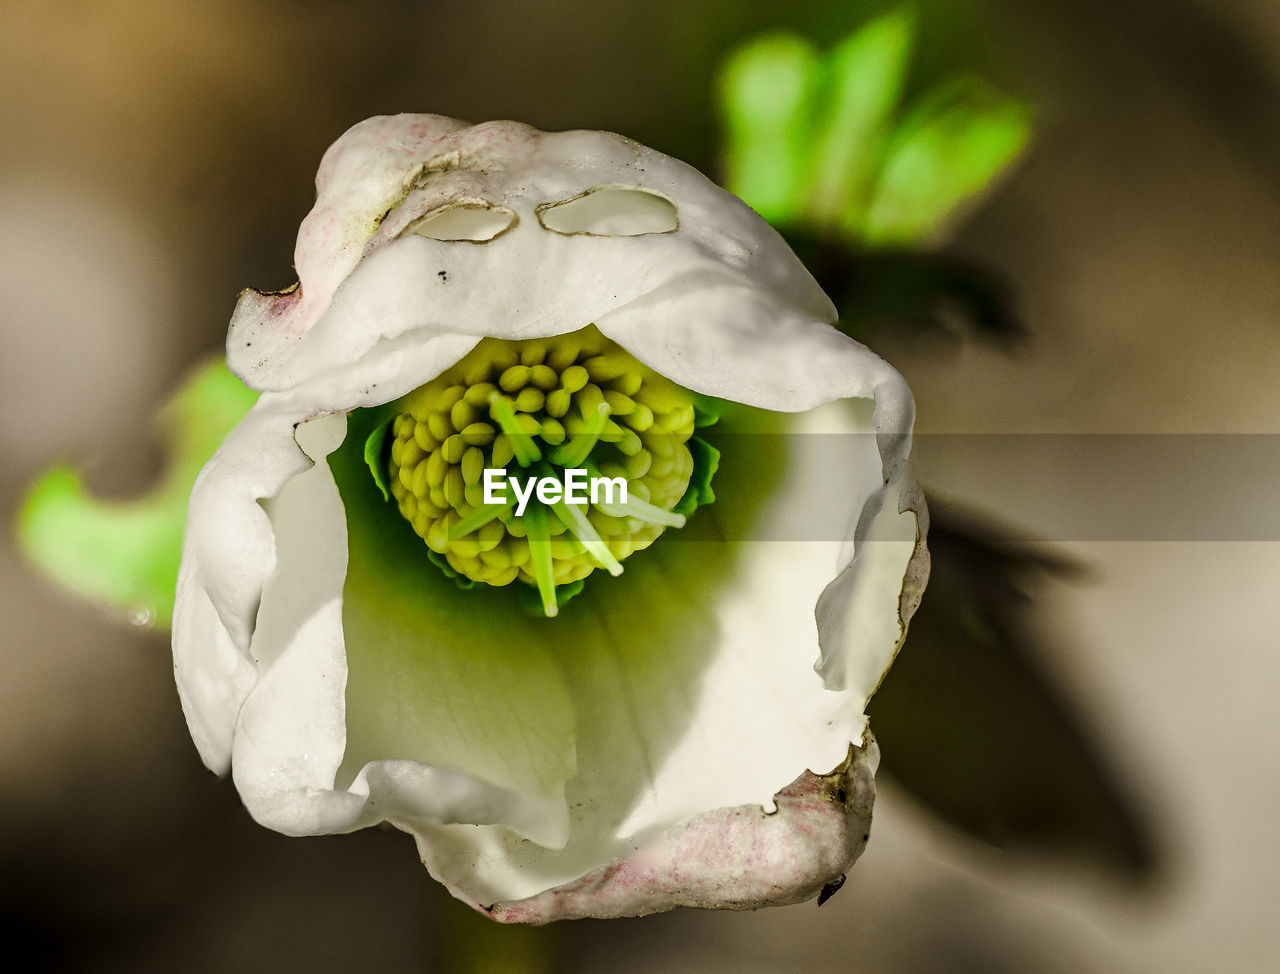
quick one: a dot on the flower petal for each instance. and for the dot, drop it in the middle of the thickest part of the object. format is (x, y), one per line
(288, 711)
(213, 676)
(362, 281)
(382, 693)
(736, 858)
(698, 699)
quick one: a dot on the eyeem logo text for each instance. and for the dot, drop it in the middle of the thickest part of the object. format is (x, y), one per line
(576, 488)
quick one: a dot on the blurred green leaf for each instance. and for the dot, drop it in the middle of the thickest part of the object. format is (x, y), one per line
(125, 554)
(766, 93)
(949, 148)
(975, 726)
(817, 142)
(865, 75)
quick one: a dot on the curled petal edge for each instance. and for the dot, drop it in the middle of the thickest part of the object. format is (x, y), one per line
(741, 858)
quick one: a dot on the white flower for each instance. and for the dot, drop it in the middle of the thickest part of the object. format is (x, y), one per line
(624, 757)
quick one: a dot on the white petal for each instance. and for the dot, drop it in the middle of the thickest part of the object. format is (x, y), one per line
(693, 675)
(213, 676)
(386, 174)
(735, 858)
(696, 669)
(289, 705)
(290, 734)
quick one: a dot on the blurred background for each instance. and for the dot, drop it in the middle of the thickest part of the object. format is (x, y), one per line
(1081, 763)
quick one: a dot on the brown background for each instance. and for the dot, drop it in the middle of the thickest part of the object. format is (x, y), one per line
(157, 157)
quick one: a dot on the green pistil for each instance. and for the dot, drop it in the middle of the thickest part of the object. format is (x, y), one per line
(575, 452)
(526, 449)
(572, 517)
(539, 538)
(478, 518)
(644, 511)
(635, 507)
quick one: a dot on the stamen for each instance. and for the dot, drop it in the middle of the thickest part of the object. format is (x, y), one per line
(525, 447)
(576, 450)
(539, 538)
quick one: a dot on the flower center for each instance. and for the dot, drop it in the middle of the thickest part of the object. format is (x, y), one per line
(568, 413)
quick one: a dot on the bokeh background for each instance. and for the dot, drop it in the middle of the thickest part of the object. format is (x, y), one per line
(157, 157)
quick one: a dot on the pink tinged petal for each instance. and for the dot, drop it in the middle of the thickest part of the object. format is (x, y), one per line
(741, 858)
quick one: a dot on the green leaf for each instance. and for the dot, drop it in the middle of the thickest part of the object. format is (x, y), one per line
(440, 561)
(125, 554)
(950, 148)
(865, 76)
(706, 410)
(375, 455)
(531, 601)
(706, 460)
(766, 95)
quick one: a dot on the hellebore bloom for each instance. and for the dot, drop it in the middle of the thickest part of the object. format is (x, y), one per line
(348, 632)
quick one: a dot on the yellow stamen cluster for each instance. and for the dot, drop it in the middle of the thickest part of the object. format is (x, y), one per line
(547, 404)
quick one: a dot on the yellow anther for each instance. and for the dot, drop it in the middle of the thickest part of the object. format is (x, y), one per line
(479, 434)
(436, 467)
(502, 452)
(438, 426)
(422, 435)
(463, 414)
(603, 368)
(619, 404)
(478, 395)
(543, 377)
(514, 378)
(453, 448)
(558, 403)
(563, 354)
(534, 408)
(418, 482)
(455, 488)
(574, 378)
(530, 400)
(628, 383)
(553, 431)
(589, 399)
(640, 418)
(473, 465)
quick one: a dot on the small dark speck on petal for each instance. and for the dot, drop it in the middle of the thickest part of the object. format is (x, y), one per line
(830, 889)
